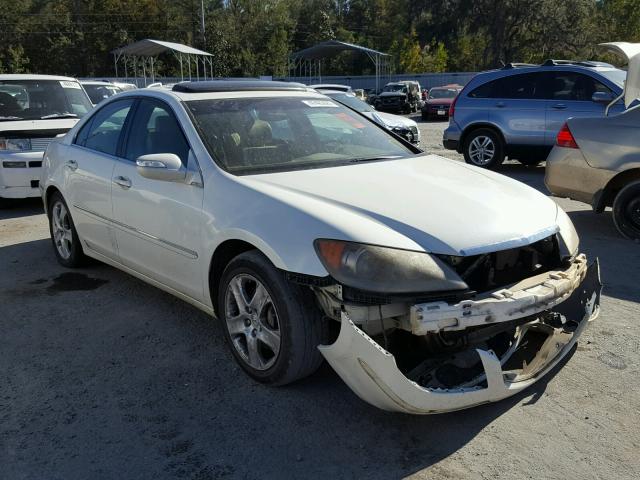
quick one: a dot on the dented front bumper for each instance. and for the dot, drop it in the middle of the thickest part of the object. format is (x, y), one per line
(372, 372)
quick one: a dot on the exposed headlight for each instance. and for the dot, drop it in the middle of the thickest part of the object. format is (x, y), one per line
(568, 235)
(386, 270)
(15, 144)
(12, 164)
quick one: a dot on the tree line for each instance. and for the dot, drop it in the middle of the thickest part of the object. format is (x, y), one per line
(256, 37)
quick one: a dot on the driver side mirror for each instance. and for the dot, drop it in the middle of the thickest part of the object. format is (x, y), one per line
(161, 166)
(602, 97)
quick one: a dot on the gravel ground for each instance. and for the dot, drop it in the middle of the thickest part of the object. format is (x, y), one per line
(103, 376)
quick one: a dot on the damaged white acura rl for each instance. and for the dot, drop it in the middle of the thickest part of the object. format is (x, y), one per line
(429, 285)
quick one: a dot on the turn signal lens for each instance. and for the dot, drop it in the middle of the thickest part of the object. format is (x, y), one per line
(565, 138)
(331, 251)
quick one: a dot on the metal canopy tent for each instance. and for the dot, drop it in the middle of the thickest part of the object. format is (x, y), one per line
(142, 55)
(308, 62)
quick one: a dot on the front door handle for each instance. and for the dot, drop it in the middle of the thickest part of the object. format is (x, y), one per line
(500, 105)
(124, 182)
(72, 165)
(559, 106)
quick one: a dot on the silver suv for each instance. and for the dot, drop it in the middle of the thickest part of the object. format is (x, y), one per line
(517, 111)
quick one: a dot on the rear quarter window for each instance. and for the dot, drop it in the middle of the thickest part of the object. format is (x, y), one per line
(524, 86)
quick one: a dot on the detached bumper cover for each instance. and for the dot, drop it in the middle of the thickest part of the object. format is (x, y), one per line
(528, 297)
(373, 375)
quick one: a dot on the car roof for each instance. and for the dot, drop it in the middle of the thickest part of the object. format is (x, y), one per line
(330, 86)
(20, 76)
(548, 66)
(236, 86)
(233, 89)
(97, 82)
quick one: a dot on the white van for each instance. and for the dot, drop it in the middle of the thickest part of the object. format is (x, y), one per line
(34, 109)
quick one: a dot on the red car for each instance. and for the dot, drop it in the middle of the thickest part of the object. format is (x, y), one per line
(438, 101)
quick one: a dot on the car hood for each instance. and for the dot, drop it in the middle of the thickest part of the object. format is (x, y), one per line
(31, 125)
(392, 94)
(425, 203)
(439, 101)
(394, 120)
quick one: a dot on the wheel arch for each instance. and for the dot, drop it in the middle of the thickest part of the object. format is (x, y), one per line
(51, 189)
(222, 255)
(606, 197)
(476, 126)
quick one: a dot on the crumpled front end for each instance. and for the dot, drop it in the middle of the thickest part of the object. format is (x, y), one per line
(534, 326)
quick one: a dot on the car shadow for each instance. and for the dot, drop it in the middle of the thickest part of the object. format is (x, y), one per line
(27, 207)
(598, 238)
(100, 366)
(619, 257)
(532, 176)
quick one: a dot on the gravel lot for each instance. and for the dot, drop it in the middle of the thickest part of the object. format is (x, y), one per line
(103, 376)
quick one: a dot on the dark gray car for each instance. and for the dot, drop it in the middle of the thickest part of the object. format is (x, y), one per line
(517, 111)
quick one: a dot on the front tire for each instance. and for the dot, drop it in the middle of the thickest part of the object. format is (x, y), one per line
(484, 148)
(272, 326)
(626, 211)
(66, 244)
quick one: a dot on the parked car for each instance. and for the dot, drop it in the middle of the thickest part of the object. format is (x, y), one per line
(33, 110)
(311, 231)
(438, 101)
(331, 86)
(98, 90)
(517, 111)
(597, 160)
(361, 94)
(124, 85)
(400, 97)
(405, 127)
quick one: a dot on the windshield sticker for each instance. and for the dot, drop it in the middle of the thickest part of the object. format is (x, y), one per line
(67, 84)
(319, 103)
(351, 121)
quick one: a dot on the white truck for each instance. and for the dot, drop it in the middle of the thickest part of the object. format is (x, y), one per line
(34, 109)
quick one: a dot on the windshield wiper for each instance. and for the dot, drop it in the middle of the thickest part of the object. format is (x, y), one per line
(59, 115)
(373, 159)
(9, 117)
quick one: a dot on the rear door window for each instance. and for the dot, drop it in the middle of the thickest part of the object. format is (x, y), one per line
(103, 132)
(527, 86)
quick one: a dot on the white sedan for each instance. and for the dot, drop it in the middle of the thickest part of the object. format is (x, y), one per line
(311, 232)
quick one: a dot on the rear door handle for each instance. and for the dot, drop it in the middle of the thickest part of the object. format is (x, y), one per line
(500, 105)
(124, 182)
(72, 165)
(559, 106)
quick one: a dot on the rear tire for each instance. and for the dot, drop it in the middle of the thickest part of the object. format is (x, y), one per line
(272, 326)
(484, 148)
(626, 211)
(64, 237)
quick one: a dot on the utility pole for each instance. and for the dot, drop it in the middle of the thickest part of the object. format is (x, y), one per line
(204, 42)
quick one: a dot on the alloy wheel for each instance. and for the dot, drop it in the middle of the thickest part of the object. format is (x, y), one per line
(482, 150)
(62, 230)
(252, 321)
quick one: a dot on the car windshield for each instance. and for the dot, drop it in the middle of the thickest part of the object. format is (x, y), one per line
(263, 135)
(443, 93)
(351, 101)
(398, 87)
(616, 76)
(42, 99)
(97, 93)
